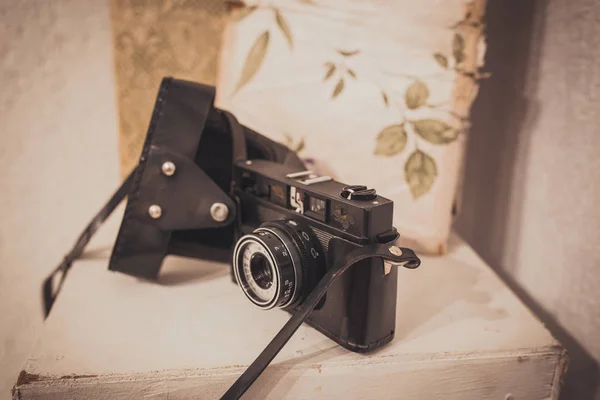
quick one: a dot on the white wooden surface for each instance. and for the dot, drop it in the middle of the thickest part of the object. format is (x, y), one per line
(461, 334)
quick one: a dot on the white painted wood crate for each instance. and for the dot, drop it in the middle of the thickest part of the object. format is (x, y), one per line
(461, 334)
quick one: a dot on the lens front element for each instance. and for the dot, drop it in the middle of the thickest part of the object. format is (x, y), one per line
(258, 272)
(261, 271)
(264, 269)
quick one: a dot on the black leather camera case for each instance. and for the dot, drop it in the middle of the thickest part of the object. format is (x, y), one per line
(187, 130)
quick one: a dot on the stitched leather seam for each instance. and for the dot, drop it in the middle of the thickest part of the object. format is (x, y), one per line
(134, 192)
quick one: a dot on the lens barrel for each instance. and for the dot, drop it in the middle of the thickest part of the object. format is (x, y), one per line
(278, 264)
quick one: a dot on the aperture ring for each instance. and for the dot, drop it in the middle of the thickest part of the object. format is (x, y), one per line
(280, 260)
(312, 267)
(297, 255)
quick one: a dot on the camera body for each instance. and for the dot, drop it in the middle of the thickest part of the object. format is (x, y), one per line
(292, 226)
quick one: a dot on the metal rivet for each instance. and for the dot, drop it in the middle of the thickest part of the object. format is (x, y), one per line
(168, 168)
(154, 211)
(248, 162)
(219, 212)
(395, 250)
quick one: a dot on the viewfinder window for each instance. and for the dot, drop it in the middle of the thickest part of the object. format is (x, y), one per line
(317, 208)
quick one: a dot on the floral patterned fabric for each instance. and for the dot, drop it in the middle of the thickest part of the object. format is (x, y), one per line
(372, 92)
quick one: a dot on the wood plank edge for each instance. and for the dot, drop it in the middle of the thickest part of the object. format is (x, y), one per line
(559, 374)
(31, 381)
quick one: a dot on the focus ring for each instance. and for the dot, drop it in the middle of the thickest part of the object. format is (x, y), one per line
(292, 234)
(295, 256)
(313, 258)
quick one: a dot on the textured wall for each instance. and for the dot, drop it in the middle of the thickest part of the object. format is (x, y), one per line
(57, 134)
(532, 189)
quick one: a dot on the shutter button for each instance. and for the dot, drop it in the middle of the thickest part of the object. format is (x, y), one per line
(358, 192)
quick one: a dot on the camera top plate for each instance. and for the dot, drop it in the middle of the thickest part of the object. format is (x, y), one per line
(320, 199)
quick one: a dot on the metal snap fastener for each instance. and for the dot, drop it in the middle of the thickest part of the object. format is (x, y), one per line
(168, 168)
(154, 211)
(219, 212)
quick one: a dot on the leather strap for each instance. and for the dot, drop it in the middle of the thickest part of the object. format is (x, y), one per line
(49, 293)
(407, 259)
(238, 138)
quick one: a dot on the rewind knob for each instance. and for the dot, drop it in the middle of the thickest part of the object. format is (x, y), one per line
(358, 192)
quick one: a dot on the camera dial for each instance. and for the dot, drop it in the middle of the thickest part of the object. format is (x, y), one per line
(358, 192)
(278, 264)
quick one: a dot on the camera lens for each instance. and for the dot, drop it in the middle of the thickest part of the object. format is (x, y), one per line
(261, 271)
(278, 263)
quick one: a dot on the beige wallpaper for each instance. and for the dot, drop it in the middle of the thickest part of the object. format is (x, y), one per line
(58, 151)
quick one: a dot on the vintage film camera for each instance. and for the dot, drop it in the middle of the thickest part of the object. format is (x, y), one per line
(207, 187)
(296, 225)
